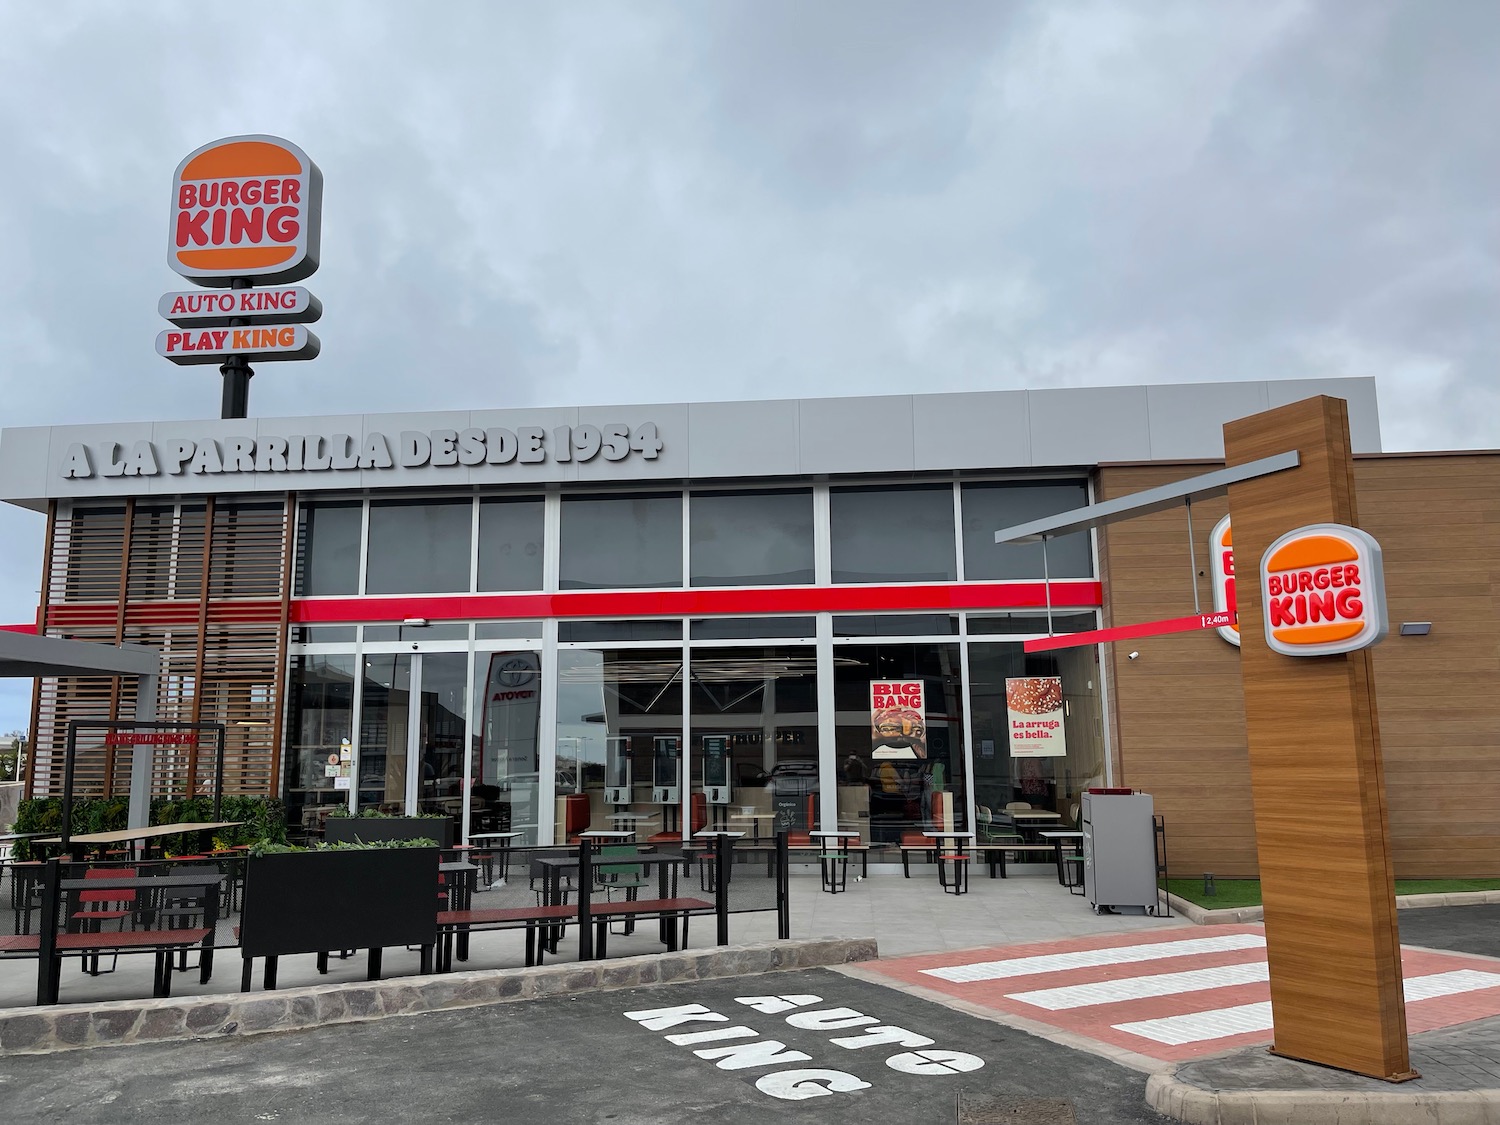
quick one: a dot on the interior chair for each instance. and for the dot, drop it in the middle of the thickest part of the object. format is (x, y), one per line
(697, 822)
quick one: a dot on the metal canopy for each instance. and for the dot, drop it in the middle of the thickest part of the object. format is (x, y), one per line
(29, 655)
(1215, 483)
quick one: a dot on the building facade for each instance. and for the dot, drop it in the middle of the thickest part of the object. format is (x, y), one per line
(784, 612)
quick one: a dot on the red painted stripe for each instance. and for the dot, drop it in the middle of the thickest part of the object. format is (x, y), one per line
(28, 628)
(1130, 632)
(1075, 593)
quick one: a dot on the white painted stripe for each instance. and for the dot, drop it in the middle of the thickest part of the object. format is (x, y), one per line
(1197, 1027)
(1092, 958)
(1449, 984)
(1138, 988)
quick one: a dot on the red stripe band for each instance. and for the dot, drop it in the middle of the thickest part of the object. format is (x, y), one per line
(1130, 632)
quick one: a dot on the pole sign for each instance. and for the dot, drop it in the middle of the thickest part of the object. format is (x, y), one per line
(211, 345)
(1323, 591)
(1221, 572)
(246, 207)
(246, 211)
(199, 308)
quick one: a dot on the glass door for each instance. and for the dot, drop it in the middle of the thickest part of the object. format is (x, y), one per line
(412, 729)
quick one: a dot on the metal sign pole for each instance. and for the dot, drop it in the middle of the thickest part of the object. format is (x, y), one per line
(236, 370)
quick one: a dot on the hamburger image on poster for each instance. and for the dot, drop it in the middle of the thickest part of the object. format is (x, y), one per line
(898, 719)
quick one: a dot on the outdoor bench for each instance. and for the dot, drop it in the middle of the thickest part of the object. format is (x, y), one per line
(164, 943)
(533, 918)
(669, 910)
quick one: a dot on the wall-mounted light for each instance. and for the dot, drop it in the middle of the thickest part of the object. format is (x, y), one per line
(1415, 628)
(415, 623)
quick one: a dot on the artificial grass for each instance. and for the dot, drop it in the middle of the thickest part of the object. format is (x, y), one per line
(1233, 893)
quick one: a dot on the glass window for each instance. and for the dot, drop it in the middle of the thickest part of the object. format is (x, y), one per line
(323, 634)
(623, 630)
(419, 546)
(621, 708)
(510, 544)
(328, 548)
(446, 632)
(896, 625)
(755, 737)
(1030, 622)
(611, 542)
(899, 750)
(1051, 784)
(892, 534)
(507, 630)
(751, 538)
(320, 730)
(990, 507)
(751, 628)
(506, 765)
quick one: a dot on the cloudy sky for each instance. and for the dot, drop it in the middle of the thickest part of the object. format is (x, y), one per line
(574, 203)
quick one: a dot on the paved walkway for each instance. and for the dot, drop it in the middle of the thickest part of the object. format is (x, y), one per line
(1149, 998)
(909, 916)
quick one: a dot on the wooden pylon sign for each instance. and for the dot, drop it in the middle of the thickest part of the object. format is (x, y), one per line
(1321, 826)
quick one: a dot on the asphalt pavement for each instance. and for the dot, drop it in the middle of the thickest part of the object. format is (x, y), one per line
(1467, 929)
(810, 1046)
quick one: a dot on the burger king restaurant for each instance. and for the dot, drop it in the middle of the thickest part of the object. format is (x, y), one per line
(748, 615)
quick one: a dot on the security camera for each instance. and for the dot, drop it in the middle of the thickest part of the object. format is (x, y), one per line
(1133, 655)
(414, 646)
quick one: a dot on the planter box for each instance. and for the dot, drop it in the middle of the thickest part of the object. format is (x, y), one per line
(313, 902)
(378, 829)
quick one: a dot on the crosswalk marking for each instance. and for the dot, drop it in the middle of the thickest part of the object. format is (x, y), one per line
(1198, 1026)
(1138, 988)
(1093, 958)
(1217, 1023)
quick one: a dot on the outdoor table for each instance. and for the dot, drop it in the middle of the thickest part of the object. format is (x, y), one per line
(707, 879)
(460, 884)
(946, 851)
(505, 841)
(49, 964)
(25, 878)
(142, 835)
(1057, 837)
(552, 868)
(832, 883)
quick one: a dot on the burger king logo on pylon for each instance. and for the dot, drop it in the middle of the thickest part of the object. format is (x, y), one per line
(245, 207)
(1323, 591)
(1221, 567)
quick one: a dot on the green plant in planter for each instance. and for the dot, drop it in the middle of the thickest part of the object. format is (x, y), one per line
(267, 848)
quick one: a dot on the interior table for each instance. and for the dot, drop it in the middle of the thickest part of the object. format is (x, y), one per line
(754, 818)
(630, 820)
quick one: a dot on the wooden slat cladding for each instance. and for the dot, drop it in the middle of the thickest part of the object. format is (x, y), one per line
(1177, 712)
(1177, 715)
(220, 655)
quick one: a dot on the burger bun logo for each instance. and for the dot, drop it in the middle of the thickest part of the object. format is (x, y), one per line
(1323, 591)
(245, 207)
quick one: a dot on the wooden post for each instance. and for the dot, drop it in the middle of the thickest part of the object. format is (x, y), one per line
(1315, 772)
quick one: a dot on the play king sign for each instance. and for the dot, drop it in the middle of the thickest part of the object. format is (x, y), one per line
(1323, 591)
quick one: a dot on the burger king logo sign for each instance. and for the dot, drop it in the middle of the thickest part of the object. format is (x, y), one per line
(246, 207)
(1323, 591)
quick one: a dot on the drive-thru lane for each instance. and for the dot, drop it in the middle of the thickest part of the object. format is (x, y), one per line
(806, 1046)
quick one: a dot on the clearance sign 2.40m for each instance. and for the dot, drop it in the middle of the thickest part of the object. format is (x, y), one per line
(1323, 591)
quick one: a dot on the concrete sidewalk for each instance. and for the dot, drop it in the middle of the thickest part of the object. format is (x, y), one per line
(910, 915)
